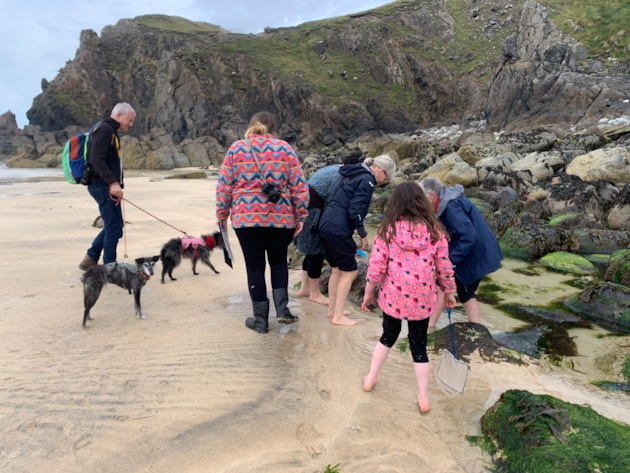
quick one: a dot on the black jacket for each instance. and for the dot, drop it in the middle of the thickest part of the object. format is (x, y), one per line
(103, 153)
(348, 202)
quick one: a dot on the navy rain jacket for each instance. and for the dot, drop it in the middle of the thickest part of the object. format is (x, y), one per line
(473, 248)
(348, 202)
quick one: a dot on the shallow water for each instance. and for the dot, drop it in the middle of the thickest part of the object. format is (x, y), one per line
(190, 389)
(530, 284)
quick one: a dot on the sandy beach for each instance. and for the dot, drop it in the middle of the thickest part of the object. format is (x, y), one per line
(190, 389)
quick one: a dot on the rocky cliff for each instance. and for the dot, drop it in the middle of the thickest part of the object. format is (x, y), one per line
(404, 66)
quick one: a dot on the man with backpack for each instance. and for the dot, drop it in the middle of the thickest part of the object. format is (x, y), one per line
(105, 174)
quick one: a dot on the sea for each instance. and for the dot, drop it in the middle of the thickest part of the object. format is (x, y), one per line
(28, 174)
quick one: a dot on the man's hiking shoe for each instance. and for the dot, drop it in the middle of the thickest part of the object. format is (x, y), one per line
(86, 263)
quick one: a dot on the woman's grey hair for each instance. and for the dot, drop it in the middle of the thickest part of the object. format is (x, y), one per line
(384, 162)
(122, 108)
(430, 184)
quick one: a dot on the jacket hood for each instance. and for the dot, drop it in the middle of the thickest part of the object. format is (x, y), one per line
(447, 194)
(411, 236)
(351, 170)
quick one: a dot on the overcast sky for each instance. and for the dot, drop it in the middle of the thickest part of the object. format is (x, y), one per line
(37, 37)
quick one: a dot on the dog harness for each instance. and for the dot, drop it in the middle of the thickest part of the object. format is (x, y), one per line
(131, 268)
(195, 242)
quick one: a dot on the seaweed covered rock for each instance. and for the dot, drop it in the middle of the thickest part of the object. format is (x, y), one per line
(531, 238)
(600, 240)
(470, 337)
(532, 433)
(568, 263)
(606, 304)
(619, 268)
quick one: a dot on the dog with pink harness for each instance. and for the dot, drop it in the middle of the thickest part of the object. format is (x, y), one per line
(193, 248)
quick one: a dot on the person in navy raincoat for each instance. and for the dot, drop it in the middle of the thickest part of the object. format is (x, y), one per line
(473, 248)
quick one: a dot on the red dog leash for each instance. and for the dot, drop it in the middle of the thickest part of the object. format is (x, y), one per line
(149, 213)
(120, 199)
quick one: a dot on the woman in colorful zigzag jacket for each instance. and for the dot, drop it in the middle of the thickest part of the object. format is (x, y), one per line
(263, 190)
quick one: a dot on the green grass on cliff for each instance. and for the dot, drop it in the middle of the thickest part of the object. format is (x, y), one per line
(603, 26)
(471, 47)
(352, 74)
(176, 24)
(295, 61)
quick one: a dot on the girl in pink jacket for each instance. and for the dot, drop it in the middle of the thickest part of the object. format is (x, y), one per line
(409, 254)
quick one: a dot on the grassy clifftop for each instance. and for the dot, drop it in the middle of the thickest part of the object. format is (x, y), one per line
(603, 26)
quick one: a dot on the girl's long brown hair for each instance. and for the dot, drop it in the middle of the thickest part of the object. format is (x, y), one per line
(409, 203)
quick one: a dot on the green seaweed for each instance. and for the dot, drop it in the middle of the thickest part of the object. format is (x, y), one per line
(539, 434)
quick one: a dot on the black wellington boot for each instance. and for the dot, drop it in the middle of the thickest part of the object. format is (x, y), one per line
(260, 320)
(281, 300)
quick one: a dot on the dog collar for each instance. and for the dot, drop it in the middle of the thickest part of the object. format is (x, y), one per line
(210, 242)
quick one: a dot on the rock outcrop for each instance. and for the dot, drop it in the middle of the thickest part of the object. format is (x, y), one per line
(395, 69)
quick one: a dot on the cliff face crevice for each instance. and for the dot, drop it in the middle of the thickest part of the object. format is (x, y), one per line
(404, 66)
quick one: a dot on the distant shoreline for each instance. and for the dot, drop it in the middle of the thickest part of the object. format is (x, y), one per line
(12, 175)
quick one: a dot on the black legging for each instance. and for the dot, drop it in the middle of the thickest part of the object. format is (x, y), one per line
(258, 242)
(417, 336)
(312, 264)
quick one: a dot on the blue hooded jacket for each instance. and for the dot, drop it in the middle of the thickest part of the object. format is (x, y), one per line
(348, 202)
(473, 249)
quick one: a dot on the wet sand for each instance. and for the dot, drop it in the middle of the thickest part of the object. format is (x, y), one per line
(190, 389)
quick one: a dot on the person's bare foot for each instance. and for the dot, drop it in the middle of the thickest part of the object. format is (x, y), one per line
(423, 406)
(344, 321)
(302, 293)
(346, 313)
(368, 383)
(321, 299)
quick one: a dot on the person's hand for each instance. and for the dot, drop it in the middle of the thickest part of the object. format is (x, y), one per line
(364, 243)
(298, 229)
(449, 300)
(115, 190)
(368, 300)
(222, 224)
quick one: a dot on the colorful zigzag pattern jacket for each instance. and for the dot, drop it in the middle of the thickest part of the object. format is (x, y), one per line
(239, 189)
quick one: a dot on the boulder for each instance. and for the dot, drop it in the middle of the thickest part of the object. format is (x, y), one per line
(619, 217)
(606, 304)
(541, 433)
(568, 263)
(599, 240)
(618, 270)
(442, 167)
(539, 165)
(531, 238)
(605, 164)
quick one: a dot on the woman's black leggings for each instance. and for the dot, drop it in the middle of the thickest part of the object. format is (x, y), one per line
(417, 336)
(258, 243)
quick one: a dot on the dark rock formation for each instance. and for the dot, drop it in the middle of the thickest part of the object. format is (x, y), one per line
(401, 67)
(607, 305)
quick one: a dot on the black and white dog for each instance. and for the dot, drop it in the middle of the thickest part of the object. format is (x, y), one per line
(126, 275)
(195, 249)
